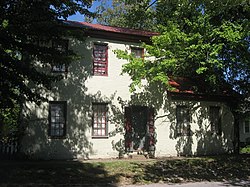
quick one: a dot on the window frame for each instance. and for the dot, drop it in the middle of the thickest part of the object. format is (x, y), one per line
(183, 123)
(60, 68)
(105, 116)
(95, 69)
(216, 127)
(137, 49)
(64, 104)
(248, 123)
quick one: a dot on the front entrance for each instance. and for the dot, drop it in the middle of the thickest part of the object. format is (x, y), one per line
(139, 126)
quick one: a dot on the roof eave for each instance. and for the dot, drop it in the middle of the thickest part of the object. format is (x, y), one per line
(117, 36)
(201, 97)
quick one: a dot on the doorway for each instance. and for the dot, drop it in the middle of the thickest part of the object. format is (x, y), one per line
(139, 128)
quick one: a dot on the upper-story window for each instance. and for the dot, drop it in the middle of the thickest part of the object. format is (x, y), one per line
(137, 52)
(100, 59)
(183, 121)
(215, 119)
(61, 46)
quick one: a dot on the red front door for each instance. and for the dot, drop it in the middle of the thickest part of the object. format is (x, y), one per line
(139, 127)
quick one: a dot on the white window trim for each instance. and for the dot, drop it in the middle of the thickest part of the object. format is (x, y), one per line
(106, 121)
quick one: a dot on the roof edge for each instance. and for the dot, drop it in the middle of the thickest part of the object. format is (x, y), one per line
(111, 29)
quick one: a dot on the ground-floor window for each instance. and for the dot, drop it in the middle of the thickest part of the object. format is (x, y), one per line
(57, 118)
(247, 126)
(99, 123)
(215, 119)
(183, 119)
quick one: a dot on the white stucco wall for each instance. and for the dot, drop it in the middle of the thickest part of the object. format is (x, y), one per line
(202, 140)
(80, 88)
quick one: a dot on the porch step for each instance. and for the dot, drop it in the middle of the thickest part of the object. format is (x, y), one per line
(137, 156)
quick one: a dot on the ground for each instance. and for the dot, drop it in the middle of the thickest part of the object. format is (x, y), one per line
(117, 172)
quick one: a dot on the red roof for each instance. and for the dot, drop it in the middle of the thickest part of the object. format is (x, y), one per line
(194, 89)
(120, 30)
(182, 85)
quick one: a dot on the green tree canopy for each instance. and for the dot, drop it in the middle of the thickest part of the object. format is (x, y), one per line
(24, 25)
(204, 40)
(27, 29)
(137, 14)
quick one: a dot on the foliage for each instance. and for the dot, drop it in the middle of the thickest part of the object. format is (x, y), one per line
(23, 26)
(27, 29)
(198, 40)
(137, 14)
(245, 150)
(9, 119)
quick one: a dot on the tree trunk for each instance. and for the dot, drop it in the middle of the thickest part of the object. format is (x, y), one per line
(236, 140)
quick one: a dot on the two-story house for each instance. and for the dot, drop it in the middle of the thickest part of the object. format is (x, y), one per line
(92, 114)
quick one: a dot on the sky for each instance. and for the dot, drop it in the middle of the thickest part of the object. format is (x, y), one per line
(79, 17)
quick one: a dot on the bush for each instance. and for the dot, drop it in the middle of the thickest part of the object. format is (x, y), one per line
(245, 150)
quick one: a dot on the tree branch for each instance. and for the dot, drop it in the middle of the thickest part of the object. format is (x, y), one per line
(151, 5)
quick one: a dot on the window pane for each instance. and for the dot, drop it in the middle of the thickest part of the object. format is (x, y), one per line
(214, 117)
(53, 120)
(100, 59)
(247, 126)
(99, 120)
(137, 52)
(103, 132)
(183, 120)
(57, 118)
(61, 46)
(61, 133)
(59, 68)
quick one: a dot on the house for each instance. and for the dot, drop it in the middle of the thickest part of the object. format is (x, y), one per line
(92, 114)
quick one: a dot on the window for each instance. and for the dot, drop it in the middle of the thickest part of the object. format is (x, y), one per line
(247, 126)
(57, 118)
(137, 52)
(183, 121)
(100, 127)
(215, 119)
(100, 59)
(61, 46)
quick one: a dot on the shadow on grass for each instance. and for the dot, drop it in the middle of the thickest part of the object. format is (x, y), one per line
(55, 173)
(223, 168)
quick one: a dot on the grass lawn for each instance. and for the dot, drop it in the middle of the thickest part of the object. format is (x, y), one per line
(121, 172)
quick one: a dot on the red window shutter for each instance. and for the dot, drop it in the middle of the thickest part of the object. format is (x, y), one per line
(151, 128)
(128, 128)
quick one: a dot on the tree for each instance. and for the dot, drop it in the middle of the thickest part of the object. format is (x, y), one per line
(24, 26)
(198, 40)
(137, 14)
(203, 40)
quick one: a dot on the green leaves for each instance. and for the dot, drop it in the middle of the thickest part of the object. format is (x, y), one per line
(127, 13)
(201, 40)
(201, 70)
(27, 29)
(5, 23)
